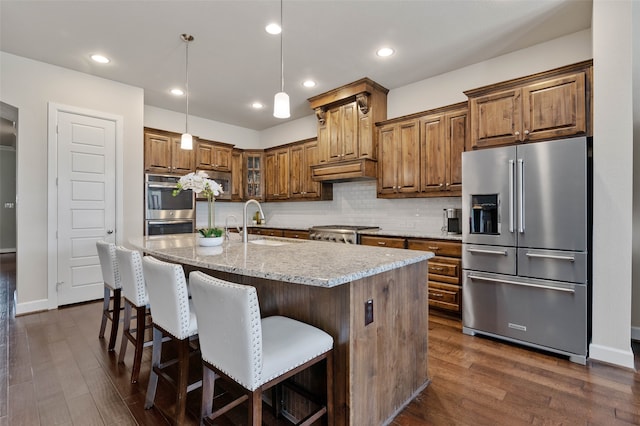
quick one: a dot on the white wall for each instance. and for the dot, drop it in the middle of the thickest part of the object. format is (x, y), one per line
(163, 119)
(29, 86)
(635, 304)
(612, 182)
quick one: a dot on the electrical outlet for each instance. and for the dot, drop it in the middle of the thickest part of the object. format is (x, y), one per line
(368, 312)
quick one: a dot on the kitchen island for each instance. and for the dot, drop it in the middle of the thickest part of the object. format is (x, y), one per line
(379, 365)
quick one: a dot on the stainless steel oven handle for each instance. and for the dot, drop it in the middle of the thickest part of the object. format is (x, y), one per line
(167, 222)
(497, 280)
(162, 185)
(498, 252)
(551, 256)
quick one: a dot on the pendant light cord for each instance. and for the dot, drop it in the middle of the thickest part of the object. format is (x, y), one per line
(281, 51)
(186, 86)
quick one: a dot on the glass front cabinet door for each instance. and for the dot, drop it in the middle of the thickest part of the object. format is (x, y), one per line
(254, 177)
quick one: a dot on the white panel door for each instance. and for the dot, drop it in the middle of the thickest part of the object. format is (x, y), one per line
(86, 203)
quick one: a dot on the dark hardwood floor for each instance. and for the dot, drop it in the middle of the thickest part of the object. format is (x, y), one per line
(55, 370)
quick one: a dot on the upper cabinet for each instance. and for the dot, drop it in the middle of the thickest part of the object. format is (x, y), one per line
(442, 142)
(421, 155)
(253, 174)
(303, 155)
(277, 173)
(162, 153)
(548, 105)
(213, 155)
(347, 138)
(237, 174)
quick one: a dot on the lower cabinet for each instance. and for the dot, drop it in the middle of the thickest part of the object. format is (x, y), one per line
(445, 273)
(271, 232)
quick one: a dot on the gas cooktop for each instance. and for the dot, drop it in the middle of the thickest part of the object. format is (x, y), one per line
(345, 228)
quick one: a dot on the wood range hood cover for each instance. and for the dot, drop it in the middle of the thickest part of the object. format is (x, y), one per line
(347, 137)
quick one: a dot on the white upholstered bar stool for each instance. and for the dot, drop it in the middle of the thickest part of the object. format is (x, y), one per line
(255, 353)
(172, 316)
(111, 279)
(135, 296)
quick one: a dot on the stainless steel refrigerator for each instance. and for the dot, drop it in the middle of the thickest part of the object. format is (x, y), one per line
(526, 236)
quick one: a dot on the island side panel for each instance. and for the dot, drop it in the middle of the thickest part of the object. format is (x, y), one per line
(325, 308)
(388, 357)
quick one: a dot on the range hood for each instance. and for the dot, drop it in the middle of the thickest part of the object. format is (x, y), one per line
(343, 171)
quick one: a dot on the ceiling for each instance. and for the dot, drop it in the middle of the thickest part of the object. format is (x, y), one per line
(234, 62)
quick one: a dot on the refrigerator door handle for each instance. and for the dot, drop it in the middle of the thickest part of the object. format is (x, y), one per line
(501, 281)
(498, 252)
(521, 195)
(550, 256)
(511, 196)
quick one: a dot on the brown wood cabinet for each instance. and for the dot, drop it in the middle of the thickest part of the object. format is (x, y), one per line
(420, 155)
(162, 153)
(345, 128)
(253, 177)
(237, 174)
(301, 235)
(269, 232)
(213, 156)
(277, 174)
(399, 159)
(445, 273)
(442, 142)
(391, 242)
(548, 105)
(302, 156)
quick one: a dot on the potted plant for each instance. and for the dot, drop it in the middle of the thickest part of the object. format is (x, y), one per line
(200, 183)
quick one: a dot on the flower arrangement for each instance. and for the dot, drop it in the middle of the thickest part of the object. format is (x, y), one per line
(199, 182)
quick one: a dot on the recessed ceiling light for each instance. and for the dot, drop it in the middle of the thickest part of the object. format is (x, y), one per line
(177, 92)
(100, 59)
(273, 29)
(309, 83)
(257, 105)
(385, 51)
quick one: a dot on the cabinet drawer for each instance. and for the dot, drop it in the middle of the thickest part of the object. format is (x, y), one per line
(444, 296)
(445, 269)
(439, 248)
(267, 231)
(382, 241)
(303, 235)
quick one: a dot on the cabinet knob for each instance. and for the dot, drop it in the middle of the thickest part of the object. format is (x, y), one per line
(441, 185)
(526, 132)
(517, 133)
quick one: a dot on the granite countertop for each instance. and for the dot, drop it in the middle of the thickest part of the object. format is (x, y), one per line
(307, 262)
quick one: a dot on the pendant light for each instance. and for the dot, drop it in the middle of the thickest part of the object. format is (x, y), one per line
(186, 141)
(281, 100)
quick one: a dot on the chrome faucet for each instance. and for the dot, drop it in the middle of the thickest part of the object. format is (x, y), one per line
(244, 218)
(226, 226)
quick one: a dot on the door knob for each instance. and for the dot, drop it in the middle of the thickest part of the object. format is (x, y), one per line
(110, 231)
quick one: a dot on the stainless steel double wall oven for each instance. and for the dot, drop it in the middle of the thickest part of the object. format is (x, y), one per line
(164, 213)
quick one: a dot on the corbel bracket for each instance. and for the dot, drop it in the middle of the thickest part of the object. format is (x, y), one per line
(321, 115)
(363, 102)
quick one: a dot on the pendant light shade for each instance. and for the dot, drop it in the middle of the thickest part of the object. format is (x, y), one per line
(281, 105)
(281, 100)
(186, 141)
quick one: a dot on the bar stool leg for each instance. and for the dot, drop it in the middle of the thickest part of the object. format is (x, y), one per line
(105, 311)
(115, 318)
(141, 321)
(183, 380)
(155, 363)
(125, 331)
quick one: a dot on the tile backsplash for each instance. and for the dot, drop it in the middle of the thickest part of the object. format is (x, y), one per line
(354, 203)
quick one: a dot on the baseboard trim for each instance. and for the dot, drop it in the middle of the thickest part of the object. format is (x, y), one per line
(611, 355)
(31, 307)
(635, 333)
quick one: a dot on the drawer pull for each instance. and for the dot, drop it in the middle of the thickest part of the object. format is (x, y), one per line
(434, 248)
(499, 252)
(435, 268)
(437, 294)
(382, 243)
(519, 283)
(551, 256)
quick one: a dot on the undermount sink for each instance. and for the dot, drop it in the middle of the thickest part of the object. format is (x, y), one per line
(266, 242)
